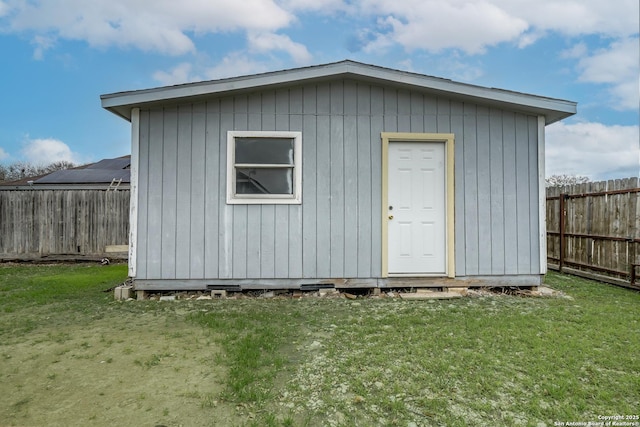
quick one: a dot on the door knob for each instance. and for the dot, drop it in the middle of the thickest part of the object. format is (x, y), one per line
(390, 216)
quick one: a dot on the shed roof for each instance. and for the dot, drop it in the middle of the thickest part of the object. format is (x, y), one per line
(552, 109)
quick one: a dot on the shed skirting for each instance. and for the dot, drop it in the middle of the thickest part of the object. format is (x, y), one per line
(340, 283)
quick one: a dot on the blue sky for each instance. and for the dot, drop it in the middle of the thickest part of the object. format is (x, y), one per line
(59, 56)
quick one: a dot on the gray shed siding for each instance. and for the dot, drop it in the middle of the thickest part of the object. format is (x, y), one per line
(187, 231)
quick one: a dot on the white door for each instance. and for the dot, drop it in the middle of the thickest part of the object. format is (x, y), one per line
(416, 211)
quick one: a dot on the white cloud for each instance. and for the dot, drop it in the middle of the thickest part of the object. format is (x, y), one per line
(235, 64)
(46, 151)
(42, 44)
(576, 17)
(267, 42)
(434, 25)
(619, 67)
(593, 149)
(576, 51)
(3, 154)
(181, 73)
(322, 6)
(163, 26)
(472, 26)
(238, 63)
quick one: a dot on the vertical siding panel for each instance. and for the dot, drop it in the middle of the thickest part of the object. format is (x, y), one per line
(497, 192)
(470, 189)
(364, 190)
(404, 111)
(267, 242)
(510, 212)
(351, 195)
(283, 222)
(337, 181)
(377, 106)
(213, 187)
(295, 211)
(198, 192)
(226, 239)
(363, 94)
(239, 259)
(417, 112)
(295, 241)
(169, 189)
(484, 191)
(445, 110)
(336, 98)
(350, 98)
(255, 221)
(183, 192)
(309, 188)
(296, 102)
(377, 127)
(323, 198)
(450, 120)
(323, 180)
(154, 219)
(282, 241)
(351, 178)
(240, 215)
(198, 167)
(254, 111)
(143, 196)
(282, 110)
(390, 106)
(534, 209)
(430, 114)
(240, 106)
(522, 194)
(254, 256)
(268, 110)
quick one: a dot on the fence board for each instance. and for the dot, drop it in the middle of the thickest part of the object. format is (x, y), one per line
(38, 223)
(602, 231)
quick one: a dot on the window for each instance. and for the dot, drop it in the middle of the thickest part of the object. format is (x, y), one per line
(264, 167)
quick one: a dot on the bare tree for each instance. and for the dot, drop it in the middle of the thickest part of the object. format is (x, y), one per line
(20, 170)
(562, 180)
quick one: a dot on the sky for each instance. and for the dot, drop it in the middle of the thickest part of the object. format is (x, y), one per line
(59, 56)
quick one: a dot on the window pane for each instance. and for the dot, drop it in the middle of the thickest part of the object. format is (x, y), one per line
(264, 150)
(264, 181)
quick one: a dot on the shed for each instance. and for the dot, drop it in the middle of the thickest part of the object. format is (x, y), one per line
(342, 174)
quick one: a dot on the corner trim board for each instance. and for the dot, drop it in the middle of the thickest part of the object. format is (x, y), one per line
(542, 196)
(133, 195)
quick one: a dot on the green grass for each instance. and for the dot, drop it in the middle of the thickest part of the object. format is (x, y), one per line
(27, 285)
(497, 360)
(491, 360)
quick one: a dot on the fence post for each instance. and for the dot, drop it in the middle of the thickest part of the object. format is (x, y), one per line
(562, 231)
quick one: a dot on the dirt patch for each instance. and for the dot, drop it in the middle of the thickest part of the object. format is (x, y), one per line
(133, 369)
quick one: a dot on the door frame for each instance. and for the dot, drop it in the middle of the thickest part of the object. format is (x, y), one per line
(443, 138)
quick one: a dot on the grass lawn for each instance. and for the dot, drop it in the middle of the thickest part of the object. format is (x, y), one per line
(70, 355)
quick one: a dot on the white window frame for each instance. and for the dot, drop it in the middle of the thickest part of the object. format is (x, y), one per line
(255, 199)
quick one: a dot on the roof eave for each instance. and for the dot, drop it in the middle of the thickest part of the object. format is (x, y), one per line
(553, 110)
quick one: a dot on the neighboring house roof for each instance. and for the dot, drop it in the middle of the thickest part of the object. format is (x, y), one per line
(552, 109)
(94, 175)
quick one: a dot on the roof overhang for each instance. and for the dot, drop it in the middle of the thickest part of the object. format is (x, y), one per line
(552, 109)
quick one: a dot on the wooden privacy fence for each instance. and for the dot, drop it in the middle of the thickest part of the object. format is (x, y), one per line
(62, 223)
(593, 230)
